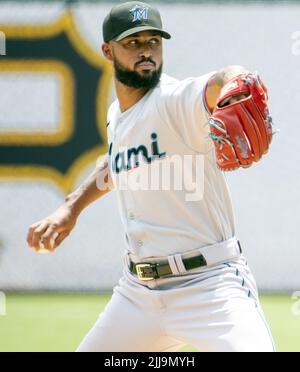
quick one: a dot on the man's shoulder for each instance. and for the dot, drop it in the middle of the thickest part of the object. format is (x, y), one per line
(168, 83)
(170, 86)
(167, 80)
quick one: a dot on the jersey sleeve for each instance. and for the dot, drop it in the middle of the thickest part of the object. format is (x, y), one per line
(183, 106)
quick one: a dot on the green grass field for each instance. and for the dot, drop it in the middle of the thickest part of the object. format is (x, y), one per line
(59, 322)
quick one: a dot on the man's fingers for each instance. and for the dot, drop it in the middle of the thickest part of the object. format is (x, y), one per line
(238, 98)
(36, 235)
(48, 238)
(62, 236)
(225, 102)
(52, 239)
(30, 234)
(234, 99)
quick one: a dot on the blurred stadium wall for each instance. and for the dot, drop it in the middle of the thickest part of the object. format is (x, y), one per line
(54, 92)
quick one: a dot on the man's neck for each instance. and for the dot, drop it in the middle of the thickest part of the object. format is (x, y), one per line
(128, 96)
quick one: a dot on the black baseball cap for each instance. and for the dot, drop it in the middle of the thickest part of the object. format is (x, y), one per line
(131, 17)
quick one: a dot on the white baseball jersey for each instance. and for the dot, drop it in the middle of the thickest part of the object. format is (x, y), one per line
(169, 121)
(213, 308)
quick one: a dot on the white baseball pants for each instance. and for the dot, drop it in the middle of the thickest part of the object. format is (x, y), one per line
(214, 310)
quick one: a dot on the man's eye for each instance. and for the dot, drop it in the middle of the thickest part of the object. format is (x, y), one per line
(133, 42)
(154, 41)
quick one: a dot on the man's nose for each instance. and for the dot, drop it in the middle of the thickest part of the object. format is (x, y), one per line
(146, 52)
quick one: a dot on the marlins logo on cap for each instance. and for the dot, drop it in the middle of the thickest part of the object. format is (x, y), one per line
(139, 13)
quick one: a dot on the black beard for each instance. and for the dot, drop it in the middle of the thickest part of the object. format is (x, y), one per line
(135, 80)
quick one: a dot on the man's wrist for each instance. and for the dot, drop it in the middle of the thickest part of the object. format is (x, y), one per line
(74, 204)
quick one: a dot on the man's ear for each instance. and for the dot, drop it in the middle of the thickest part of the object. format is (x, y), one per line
(107, 51)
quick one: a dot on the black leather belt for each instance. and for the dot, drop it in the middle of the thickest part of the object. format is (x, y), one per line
(151, 271)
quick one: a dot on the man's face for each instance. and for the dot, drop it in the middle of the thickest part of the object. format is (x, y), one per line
(137, 59)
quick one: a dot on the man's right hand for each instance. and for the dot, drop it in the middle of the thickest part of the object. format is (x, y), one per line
(52, 231)
(55, 228)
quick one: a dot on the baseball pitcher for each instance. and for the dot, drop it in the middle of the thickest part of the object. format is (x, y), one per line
(185, 278)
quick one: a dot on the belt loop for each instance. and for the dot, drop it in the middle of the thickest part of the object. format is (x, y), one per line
(127, 261)
(180, 264)
(173, 266)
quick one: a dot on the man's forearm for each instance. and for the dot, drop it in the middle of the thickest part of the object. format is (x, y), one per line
(96, 186)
